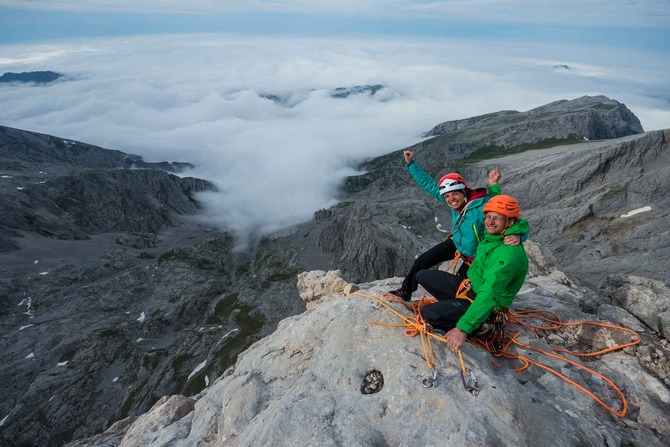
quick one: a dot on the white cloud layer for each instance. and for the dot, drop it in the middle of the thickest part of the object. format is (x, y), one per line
(642, 13)
(195, 98)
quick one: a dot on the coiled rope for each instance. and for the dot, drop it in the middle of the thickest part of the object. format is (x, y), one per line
(500, 340)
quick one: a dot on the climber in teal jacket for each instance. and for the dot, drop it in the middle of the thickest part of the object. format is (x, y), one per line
(467, 221)
(495, 276)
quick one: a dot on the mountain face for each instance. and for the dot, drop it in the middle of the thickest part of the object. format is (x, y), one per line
(111, 295)
(38, 77)
(111, 318)
(71, 190)
(593, 118)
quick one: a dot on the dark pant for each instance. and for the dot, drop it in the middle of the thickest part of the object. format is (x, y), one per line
(443, 286)
(444, 251)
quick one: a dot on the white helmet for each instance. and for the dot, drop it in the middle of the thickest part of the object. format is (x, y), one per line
(452, 182)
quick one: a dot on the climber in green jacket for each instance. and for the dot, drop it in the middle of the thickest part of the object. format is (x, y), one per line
(467, 221)
(495, 276)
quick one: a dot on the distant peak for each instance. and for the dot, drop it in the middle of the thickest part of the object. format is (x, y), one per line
(38, 77)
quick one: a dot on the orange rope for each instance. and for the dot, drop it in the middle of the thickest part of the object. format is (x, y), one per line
(416, 325)
(451, 268)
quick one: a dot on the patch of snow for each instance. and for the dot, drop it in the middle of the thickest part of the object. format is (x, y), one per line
(2, 422)
(19, 188)
(25, 327)
(206, 380)
(44, 273)
(141, 319)
(21, 303)
(52, 398)
(128, 313)
(62, 363)
(115, 379)
(404, 226)
(226, 335)
(36, 261)
(525, 290)
(30, 356)
(644, 209)
(197, 368)
(439, 228)
(7, 176)
(139, 340)
(42, 183)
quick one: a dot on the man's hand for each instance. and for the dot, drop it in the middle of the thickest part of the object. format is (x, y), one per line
(494, 176)
(409, 155)
(512, 239)
(455, 339)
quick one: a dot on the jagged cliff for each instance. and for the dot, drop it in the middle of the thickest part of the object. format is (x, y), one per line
(311, 381)
(574, 197)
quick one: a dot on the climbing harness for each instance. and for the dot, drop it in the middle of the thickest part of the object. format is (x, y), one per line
(499, 339)
(451, 268)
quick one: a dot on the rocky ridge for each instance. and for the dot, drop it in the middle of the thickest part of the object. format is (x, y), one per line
(315, 370)
(70, 190)
(577, 198)
(585, 118)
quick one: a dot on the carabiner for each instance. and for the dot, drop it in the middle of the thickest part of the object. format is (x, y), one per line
(470, 385)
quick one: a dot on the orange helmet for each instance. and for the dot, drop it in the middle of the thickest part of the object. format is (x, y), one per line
(452, 182)
(505, 205)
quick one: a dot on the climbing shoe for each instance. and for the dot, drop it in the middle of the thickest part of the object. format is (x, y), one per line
(402, 294)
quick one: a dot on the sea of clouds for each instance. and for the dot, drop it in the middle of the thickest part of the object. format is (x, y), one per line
(198, 99)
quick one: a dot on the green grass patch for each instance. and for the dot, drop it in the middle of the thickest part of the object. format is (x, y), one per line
(493, 151)
(601, 106)
(179, 360)
(226, 306)
(68, 355)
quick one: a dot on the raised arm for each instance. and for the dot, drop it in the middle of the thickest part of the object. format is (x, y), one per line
(421, 177)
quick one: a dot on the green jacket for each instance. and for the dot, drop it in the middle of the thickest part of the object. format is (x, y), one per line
(496, 274)
(471, 230)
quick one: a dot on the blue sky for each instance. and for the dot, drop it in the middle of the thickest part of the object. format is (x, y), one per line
(642, 24)
(188, 80)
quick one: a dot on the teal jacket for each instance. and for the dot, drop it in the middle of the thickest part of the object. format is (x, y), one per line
(471, 230)
(496, 275)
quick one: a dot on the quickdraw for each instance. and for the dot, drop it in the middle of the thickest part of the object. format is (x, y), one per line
(468, 377)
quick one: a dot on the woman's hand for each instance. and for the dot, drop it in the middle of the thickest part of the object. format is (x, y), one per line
(494, 176)
(512, 239)
(409, 155)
